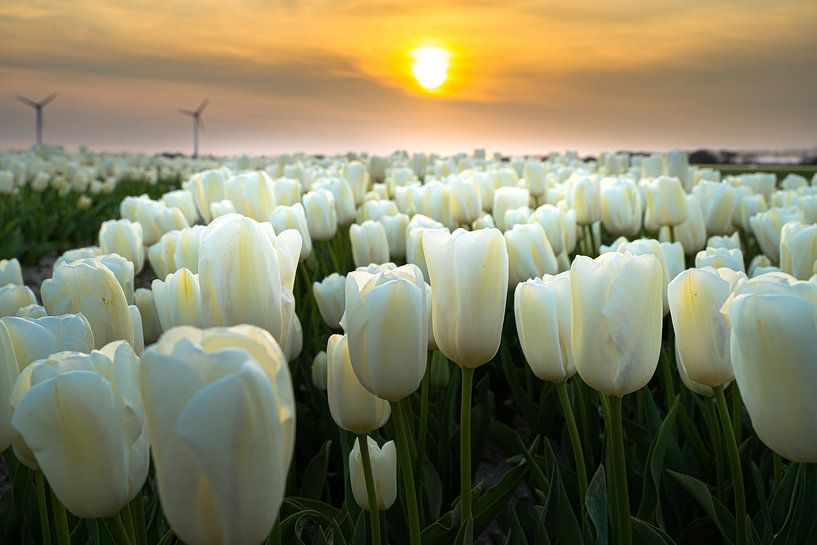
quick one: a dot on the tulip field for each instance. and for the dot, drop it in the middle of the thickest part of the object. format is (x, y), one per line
(406, 349)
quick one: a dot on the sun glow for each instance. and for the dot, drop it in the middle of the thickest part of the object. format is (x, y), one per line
(430, 67)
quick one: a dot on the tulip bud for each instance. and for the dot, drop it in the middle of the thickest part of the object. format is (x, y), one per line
(691, 233)
(178, 300)
(542, 312)
(730, 242)
(768, 225)
(123, 237)
(486, 221)
(63, 401)
(621, 208)
(91, 288)
(798, 249)
(183, 200)
(251, 194)
(344, 200)
(176, 250)
(221, 208)
(534, 174)
(648, 246)
(717, 205)
(387, 330)
(352, 407)
(293, 217)
(466, 200)
(245, 272)
(330, 296)
(13, 297)
(553, 221)
(674, 258)
(320, 214)
(10, 272)
(469, 279)
(747, 207)
(206, 187)
(529, 254)
(773, 343)
(369, 243)
(384, 473)
(616, 320)
(151, 326)
(23, 341)
(215, 423)
(319, 363)
(701, 331)
(720, 257)
(666, 202)
(508, 198)
(358, 178)
(585, 198)
(287, 191)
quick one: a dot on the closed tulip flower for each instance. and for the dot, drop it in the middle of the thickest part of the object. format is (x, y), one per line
(344, 200)
(214, 421)
(252, 194)
(516, 216)
(585, 197)
(175, 250)
(535, 177)
(718, 206)
(648, 246)
(320, 214)
(730, 243)
(768, 225)
(183, 200)
(221, 208)
(437, 203)
(773, 344)
(331, 298)
(151, 326)
(81, 416)
(508, 198)
(293, 217)
(529, 254)
(10, 272)
(123, 237)
(384, 473)
(206, 187)
(14, 297)
(552, 219)
(701, 331)
(178, 300)
(23, 341)
(747, 207)
(369, 243)
(395, 227)
(798, 249)
(616, 320)
(318, 370)
(122, 270)
(666, 202)
(466, 200)
(720, 257)
(542, 312)
(358, 178)
(91, 288)
(246, 272)
(691, 233)
(674, 258)
(468, 272)
(287, 191)
(486, 221)
(621, 207)
(387, 330)
(352, 406)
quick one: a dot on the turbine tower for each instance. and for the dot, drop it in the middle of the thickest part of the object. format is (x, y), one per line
(196, 115)
(38, 108)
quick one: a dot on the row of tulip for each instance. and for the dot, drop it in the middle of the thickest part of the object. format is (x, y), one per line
(215, 401)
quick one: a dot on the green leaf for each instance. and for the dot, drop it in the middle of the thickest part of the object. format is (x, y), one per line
(654, 464)
(315, 473)
(596, 505)
(717, 512)
(645, 533)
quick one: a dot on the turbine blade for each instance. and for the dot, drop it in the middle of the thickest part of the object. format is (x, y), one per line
(27, 101)
(186, 112)
(203, 105)
(47, 100)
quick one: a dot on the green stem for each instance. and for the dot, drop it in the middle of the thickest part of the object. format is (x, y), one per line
(138, 511)
(609, 459)
(734, 465)
(117, 528)
(620, 471)
(374, 510)
(42, 506)
(60, 520)
(422, 431)
(672, 233)
(465, 445)
(127, 519)
(737, 414)
(575, 442)
(777, 468)
(408, 474)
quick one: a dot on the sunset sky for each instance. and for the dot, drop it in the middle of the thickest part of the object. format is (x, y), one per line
(335, 75)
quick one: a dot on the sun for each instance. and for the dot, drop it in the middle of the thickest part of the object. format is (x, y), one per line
(430, 66)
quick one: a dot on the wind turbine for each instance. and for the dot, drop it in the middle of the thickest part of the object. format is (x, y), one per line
(196, 115)
(38, 108)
